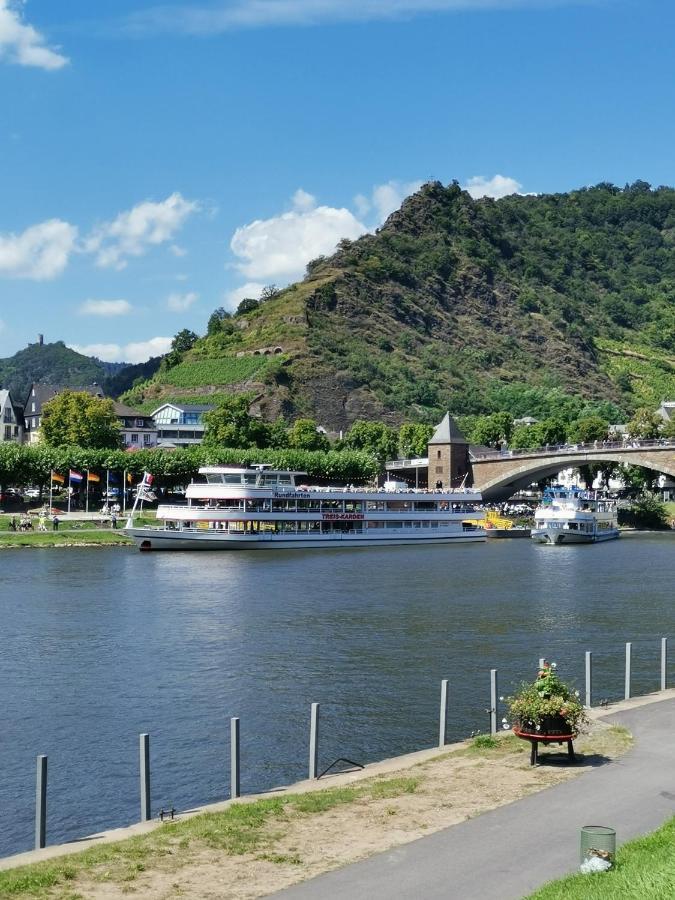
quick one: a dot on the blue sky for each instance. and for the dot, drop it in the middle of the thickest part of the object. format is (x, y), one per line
(160, 160)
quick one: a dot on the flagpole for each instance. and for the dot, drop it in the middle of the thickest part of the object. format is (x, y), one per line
(107, 487)
(124, 491)
(70, 490)
(51, 489)
(86, 502)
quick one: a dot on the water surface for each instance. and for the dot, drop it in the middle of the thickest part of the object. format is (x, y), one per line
(98, 645)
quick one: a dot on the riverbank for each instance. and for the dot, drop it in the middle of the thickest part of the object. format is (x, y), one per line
(75, 530)
(262, 844)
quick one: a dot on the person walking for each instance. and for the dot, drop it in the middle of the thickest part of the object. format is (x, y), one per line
(55, 523)
(113, 520)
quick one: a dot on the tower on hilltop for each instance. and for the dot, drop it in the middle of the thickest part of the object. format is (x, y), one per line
(448, 455)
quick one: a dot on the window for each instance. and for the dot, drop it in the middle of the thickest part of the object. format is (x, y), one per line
(8, 432)
(140, 423)
(32, 406)
(147, 439)
(438, 454)
(134, 438)
(439, 470)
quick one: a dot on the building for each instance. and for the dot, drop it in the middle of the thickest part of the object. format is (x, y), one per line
(138, 429)
(667, 411)
(445, 466)
(180, 425)
(38, 395)
(11, 419)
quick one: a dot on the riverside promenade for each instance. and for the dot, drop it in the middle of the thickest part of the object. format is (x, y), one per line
(513, 850)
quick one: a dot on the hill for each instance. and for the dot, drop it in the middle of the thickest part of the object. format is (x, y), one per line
(50, 363)
(57, 364)
(470, 305)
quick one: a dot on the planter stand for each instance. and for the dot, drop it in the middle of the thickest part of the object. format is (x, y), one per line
(537, 738)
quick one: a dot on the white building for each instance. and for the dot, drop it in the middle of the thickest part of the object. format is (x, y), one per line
(11, 419)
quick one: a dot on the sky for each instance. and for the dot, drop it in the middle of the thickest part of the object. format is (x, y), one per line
(160, 160)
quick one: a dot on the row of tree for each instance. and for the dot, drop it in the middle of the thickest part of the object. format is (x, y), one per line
(32, 464)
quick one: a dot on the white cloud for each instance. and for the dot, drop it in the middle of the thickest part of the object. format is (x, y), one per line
(22, 44)
(497, 186)
(181, 302)
(105, 308)
(138, 229)
(40, 253)
(228, 15)
(177, 251)
(385, 199)
(280, 247)
(252, 290)
(136, 352)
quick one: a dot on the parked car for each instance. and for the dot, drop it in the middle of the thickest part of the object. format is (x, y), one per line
(31, 493)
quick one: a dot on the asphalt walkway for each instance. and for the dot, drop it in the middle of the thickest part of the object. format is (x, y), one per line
(509, 852)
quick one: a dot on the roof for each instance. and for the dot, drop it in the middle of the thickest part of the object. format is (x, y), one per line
(448, 432)
(200, 408)
(122, 410)
(45, 392)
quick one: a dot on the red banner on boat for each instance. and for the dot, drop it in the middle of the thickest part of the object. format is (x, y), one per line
(342, 517)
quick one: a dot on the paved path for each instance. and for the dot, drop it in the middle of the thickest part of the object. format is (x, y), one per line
(511, 851)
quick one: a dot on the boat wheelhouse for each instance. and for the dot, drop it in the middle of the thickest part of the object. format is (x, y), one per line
(574, 516)
(263, 508)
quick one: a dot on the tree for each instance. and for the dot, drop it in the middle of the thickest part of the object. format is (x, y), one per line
(217, 320)
(413, 439)
(588, 429)
(184, 340)
(645, 424)
(76, 418)
(646, 511)
(668, 430)
(491, 430)
(303, 435)
(278, 434)
(373, 437)
(269, 292)
(248, 304)
(638, 478)
(231, 425)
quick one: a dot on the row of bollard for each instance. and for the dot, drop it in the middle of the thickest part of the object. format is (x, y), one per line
(235, 743)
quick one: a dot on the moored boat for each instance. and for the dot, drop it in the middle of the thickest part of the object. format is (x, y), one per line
(574, 516)
(262, 508)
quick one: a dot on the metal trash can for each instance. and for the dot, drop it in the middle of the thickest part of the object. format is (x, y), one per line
(599, 842)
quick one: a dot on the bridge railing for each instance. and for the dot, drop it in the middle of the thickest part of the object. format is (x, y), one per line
(571, 449)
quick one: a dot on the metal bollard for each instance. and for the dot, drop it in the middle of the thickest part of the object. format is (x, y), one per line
(629, 649)
(314, 741)
(144, 760)
(443, 722)
(493, 701)
(234, 759)
(41, 803)
(589, 679)
(664, 663)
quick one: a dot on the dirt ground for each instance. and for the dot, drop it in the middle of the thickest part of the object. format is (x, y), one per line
(407, 805)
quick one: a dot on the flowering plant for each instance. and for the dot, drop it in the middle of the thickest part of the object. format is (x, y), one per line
(548, 696)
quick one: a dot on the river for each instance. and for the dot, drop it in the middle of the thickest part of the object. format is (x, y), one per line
(98, 645)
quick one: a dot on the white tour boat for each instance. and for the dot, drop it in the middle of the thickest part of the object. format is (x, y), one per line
(261, 508)
(574, 516)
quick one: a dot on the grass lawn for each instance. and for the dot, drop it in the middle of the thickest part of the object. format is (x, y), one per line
(63, 537)
(260, 846)
(645, 870)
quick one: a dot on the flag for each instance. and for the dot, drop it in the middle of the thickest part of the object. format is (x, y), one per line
(130, 478)
(58, 478)
(75, 476)
(92, 476)
(148, 479)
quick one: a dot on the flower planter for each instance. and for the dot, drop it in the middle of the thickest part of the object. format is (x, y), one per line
(551, 728)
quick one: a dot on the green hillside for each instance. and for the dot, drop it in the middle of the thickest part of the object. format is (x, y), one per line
(459, 304)
(49, 363)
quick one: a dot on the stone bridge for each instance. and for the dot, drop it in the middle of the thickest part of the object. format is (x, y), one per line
(498, 475)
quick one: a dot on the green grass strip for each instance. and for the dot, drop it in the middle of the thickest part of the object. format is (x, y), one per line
(645, 870)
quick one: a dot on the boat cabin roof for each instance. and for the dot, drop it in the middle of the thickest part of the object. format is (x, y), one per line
(248, 470)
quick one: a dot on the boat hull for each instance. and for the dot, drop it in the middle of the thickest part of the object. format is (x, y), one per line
(159, 539)
(559, 536)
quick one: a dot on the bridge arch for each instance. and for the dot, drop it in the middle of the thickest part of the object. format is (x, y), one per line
(498, 478)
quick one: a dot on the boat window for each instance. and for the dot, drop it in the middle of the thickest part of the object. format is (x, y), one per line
(353, 505)
(285, 479)
(231, 479)
(429, 505)
(375, 505)
(214, 479)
